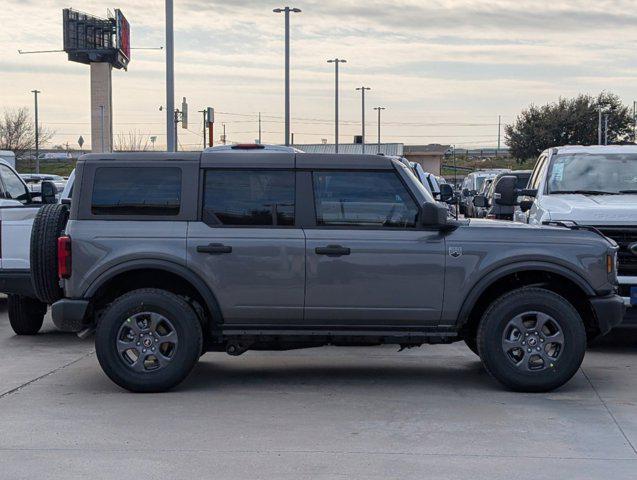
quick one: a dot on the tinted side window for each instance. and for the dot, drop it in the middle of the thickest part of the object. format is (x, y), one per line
(534, 182)
(366, 199)
(14, 188)
(249, 197)
(136, 191)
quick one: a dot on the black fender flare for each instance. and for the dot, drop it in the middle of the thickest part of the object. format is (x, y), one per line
(486, 281)
(156, 264)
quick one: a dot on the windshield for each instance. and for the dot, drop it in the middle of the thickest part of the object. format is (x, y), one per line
(597, 174)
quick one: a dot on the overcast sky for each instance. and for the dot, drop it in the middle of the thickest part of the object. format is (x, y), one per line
(444, 70)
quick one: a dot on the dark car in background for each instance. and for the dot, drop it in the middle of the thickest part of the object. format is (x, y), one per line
(484, 202)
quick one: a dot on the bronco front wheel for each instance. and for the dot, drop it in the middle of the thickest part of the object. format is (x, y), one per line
(148, 340)
(531, 340)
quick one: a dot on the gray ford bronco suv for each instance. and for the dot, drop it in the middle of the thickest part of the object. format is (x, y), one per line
(167, 256)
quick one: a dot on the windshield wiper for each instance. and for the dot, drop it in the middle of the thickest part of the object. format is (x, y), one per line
(584, 192)
(628, 191)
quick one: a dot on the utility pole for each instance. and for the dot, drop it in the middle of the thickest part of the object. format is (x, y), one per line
(37, 133)
(634, 121)
(224, 133)
(499, 126)
(606, 129)
(259, 128)
(204, 127)
(171, 125)
(599, 125)
(287, 11)
(336, 61)
(175, 122)
(379, 110)
(362, 90)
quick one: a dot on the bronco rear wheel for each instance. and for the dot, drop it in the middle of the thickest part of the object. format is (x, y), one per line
(148, 340)
(531, 340)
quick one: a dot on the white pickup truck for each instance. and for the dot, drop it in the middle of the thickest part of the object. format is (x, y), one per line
(18, 208)
(591, 186)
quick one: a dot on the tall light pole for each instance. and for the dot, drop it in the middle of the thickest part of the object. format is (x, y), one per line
(362, 90)
(336, 61)
(499, 127)
(599, 125)
(379, 110)
(170, 79)
(634, 121)
(37, 133)
(606, 129)
(287, 11)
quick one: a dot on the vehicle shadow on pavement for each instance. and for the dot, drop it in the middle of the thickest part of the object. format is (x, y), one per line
(306, 372)
(619, 340)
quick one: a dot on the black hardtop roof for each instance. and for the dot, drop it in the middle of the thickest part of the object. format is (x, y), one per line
(255, 158)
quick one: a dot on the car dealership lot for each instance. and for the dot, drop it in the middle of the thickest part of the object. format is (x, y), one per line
(429, 412)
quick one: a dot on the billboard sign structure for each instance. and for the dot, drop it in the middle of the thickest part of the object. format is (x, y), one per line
(88, 38)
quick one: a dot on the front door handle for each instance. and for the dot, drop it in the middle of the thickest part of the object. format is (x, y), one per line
(332, 251)
(214, 248)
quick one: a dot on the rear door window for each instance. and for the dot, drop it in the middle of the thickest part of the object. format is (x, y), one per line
(363, 199)
(249, 198)
(136, 191)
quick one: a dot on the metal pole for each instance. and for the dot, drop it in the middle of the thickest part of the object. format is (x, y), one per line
(634, 122)
(336, 61)
(259, 128)
(171, 129)
(379, 110)
(224, 133)
(37, 133)
(176, 122)
(606, 129)
(362, 89)
(204, 128)
(499, 125)
(287, 11)
(599, 125)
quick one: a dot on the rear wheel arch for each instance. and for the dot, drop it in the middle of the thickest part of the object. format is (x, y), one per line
(552, 277)
(149, 273)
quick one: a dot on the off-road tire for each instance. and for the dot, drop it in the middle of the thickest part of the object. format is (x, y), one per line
(26, 315)
(180, 314)
(48, 225)
(491, 331)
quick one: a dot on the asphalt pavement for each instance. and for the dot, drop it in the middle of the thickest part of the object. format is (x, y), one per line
(324, 413)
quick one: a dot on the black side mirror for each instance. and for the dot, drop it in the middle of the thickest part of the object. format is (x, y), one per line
(446, 192)
(49, 191)
(433, 214)
(505, 191)
(479, 201)
(526, 204)
(465, 192)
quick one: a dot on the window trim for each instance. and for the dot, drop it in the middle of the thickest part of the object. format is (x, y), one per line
(366, 227)
(202, 187)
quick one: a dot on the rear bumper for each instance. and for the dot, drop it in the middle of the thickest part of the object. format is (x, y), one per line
(609, 311)
(68, 314)
(16, 282)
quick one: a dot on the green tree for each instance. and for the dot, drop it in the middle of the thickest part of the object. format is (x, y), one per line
(567, 122)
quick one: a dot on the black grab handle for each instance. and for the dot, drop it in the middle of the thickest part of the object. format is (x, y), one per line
(214, 248)
(332, 251)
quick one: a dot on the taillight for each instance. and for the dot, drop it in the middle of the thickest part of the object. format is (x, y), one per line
(64, 257)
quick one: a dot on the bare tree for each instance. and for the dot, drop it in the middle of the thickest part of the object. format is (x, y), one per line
(133, 141)
(17, 132)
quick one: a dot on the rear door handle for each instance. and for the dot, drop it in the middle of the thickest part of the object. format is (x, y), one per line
(332, 251)
(214, 248)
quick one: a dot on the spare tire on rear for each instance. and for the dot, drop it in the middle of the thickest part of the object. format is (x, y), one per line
(48, 225)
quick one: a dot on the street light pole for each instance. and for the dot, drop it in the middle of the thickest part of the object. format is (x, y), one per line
(336, 61)
(606, 129)
(379, 110)
(599, 125)
(37, 133)
(362, 90)
(170, 80)
(287, 11)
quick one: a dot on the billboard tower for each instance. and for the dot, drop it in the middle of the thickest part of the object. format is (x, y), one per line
(104, 44)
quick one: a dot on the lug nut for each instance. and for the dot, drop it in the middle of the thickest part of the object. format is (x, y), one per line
(538, 349)
(143, 350)
(529, 350)
(523, 343)
(527, 334)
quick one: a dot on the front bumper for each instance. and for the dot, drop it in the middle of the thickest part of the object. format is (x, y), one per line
(609, 311)
(625, 283)
(68, 314)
